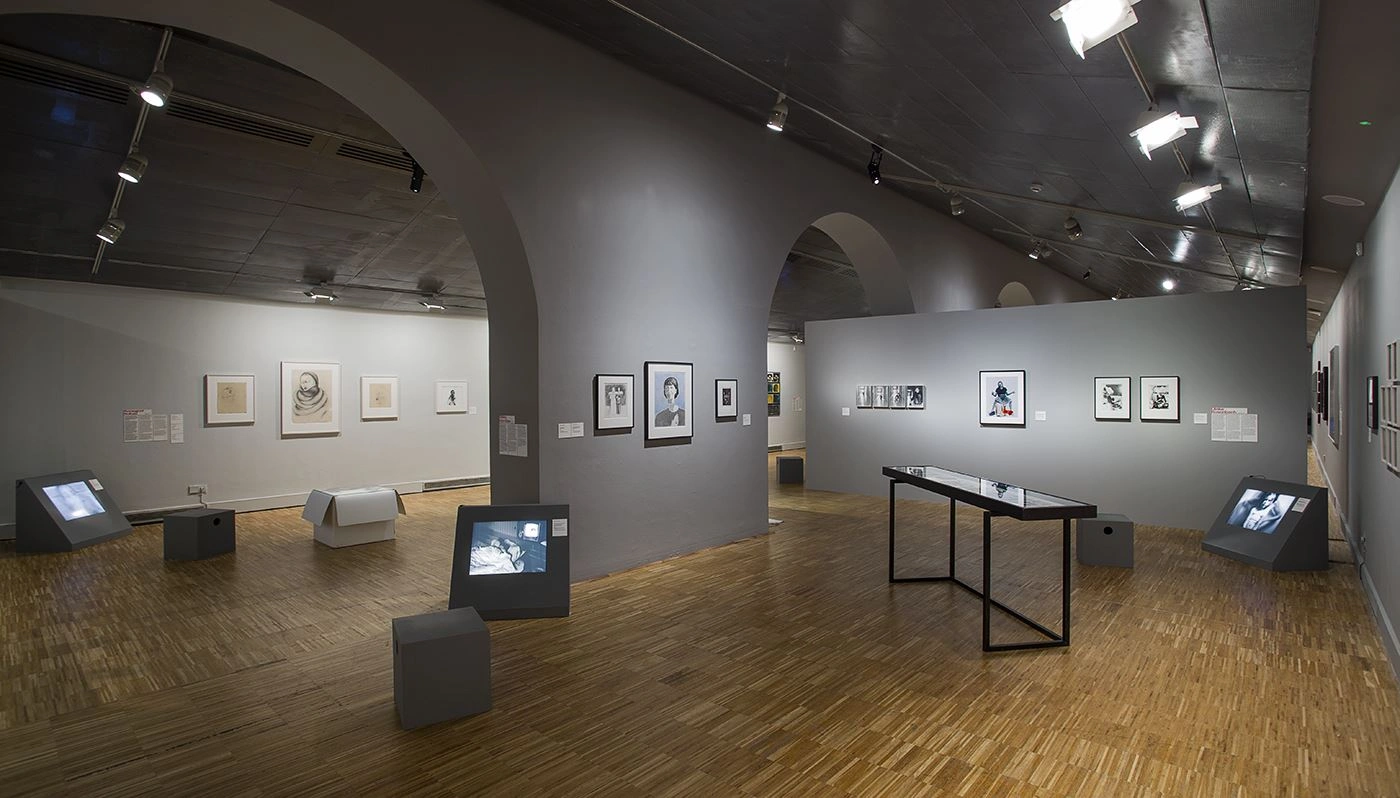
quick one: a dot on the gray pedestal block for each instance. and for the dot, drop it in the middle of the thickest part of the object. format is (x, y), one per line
(442, 666)
(1105, 540)
(789, 470)
(199, 534)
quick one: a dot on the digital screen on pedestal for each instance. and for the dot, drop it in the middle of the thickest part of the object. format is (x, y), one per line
(508, 547)
(74, 500)
(1260, 510)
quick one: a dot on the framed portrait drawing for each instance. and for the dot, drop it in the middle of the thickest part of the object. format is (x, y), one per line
(613, 401)
(914, 397)
(1003, 401)
(379, 398)
(1161, 399)
(863, 396)
(897, 396)
(670, 400)
(450, 396)
(879, 396)
(726, 399)
(1113, 397)
(229, 399)
(310, 398)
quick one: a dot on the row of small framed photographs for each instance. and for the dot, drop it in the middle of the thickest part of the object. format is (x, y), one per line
(907, 397)
(670, 400)
(1160, 398)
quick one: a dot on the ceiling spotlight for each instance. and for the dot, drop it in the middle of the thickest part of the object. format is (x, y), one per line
(778, 116)
(111, 230)
(1086, 275)
(415, 183)
(157, 90)
(1155, 131)
(431, 305)
(1091, 22)
(873, 168)
(955, 205)
(1168, 284)
(797, 339)
(133, 168)
(1073, 230)
(1038, 251)
(1189, 195)
(320, 294)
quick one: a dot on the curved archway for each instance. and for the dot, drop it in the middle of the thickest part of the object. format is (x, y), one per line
(1014, 295)
(325, 56)
(874, 260)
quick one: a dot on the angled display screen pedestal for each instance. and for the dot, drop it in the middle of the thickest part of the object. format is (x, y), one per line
(65, 512)
(1281, 526)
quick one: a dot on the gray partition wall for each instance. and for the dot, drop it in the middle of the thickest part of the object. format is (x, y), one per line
(1231, 349)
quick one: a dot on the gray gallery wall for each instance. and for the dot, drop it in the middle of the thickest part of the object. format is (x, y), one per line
(1238, 349)
(655, 226)
(1362, 320)
(789, 428)
(77, 355)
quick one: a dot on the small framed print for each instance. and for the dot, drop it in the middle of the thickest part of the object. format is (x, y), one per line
(670, 400)
(1161, 399)
(379, 398)
(914, 397)
(229, 399)
(1003, 401)
(310, 399)
(897, 396)
(879, 396)
(726, 399)
(863, 396)
(1113, 399)
(613, 405)
(451, 396)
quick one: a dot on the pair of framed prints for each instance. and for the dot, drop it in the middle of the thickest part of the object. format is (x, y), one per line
(670, 400)
(1160, 398)
(909, 397)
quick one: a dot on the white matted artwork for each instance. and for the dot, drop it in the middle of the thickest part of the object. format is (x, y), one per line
(379, 398)
(613, 403)
(1161, 399)
(897, 396)
(310, 398)
(670, 400)
(879, 396)
(1003, 401)
(726, 399)
(863, 396)
(914, 396)
(451, 396)
(1113, 398)
(229, 399)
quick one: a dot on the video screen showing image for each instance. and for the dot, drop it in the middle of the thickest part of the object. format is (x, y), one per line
(508, 547)
(74, 500)
(1260, 510)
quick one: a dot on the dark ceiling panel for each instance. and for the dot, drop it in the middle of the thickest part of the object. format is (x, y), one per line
(1279, 185)
(1270, 125)
(1172, 44)
(1264, 45)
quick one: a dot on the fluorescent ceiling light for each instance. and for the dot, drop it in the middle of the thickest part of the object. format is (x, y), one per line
(1091, 22)
(1189, 195)
(111, 230)
(778, 117)
(1156, 131)
(133, 168)
(157, 90)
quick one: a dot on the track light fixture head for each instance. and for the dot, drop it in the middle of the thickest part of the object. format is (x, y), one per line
(778, 116)
(133, 168)
(1038, 251)
(111, 230)
(1091, 22)
(955, 205)
(415, 183)
(1189, 195)
(1156, 130)
(431, 304)
(1086, 275)
(1169, 284)
(873, 168)
(1073, 230)
(157, 90)
(321, 293)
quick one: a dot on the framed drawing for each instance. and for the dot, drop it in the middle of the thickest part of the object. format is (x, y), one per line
(726, 399)
(379, 398)
(310, 398)
(914, 397)
(863, 396)
(775, 393)
(450, 396)
(1113, 398)
(1334, 396)
(229, 399)
(1003, 402)
(670, 398)
(897, 396)
(879, 396)
(612, 401)
(1161, 399)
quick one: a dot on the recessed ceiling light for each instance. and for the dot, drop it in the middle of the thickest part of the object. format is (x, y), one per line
(1343, 200)
(1091, 22)
(1155, 131)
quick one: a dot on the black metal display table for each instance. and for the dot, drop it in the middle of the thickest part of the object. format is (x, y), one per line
(995, 499)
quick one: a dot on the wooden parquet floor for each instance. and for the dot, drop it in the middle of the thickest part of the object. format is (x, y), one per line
(779, 665)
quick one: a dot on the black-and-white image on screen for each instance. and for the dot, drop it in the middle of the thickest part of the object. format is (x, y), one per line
(1260, 510)
(74, 500)
(508, 547)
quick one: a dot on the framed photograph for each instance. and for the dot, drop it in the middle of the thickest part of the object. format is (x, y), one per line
(879, 396)
(775, 393)
(1334, 396)
(1373, 394)
(914, 397)
(451, 396)
(379, 398)
(1113, 398)
(310, 399)
(613, 401)
(1161, 399)
(670, 399)
(726, 399)
(1003, 402)
(897, 396)
(229, 399)
(863, 396)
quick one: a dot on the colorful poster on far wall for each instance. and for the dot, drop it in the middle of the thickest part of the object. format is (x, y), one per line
(775, 393)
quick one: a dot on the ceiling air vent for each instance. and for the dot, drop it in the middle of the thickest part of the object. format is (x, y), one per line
(378, 157)
(38, 75)
(181, 108)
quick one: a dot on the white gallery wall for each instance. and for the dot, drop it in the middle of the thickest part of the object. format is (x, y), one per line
(1361, 322)
(788, 430)
(75, 356)
(1234, 349)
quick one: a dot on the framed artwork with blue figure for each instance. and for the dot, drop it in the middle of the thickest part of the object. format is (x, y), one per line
(670, 400)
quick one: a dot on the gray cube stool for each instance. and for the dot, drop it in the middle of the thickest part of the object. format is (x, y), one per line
(1105, 540)
(198, 534)
(442, 666)
(789, 470)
